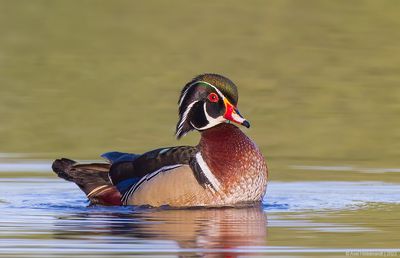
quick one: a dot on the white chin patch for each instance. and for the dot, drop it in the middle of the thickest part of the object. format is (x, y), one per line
(211, 120)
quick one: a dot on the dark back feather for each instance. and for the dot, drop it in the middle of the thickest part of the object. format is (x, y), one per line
(126, 173)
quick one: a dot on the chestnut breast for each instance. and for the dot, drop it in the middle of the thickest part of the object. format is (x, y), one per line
(232, 156)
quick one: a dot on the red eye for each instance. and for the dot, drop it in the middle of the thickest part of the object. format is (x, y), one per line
(213, 97)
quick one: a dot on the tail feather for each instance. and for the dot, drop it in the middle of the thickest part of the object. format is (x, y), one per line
(61, 168)
(92, 179)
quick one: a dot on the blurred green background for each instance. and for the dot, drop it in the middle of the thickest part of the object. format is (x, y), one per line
(318, 80)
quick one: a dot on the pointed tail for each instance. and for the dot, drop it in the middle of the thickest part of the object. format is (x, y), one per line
(92, 179)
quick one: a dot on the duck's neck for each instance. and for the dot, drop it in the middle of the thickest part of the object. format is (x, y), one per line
(225, 149)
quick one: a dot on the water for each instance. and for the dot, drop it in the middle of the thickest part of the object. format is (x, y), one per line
(49, 217)
(318, 80)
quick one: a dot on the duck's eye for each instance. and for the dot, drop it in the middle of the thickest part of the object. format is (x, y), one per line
(213, 97)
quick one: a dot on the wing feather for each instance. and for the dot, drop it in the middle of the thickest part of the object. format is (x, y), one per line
(126, 173)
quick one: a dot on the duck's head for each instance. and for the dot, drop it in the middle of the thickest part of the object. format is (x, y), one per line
(206, 101)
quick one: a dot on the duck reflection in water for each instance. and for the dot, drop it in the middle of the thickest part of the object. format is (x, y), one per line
(222, 231)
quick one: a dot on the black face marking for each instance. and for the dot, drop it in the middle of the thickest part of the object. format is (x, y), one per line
(196, 92)
(198, 118)
(192, 117)
(215, 109)
(192, 112)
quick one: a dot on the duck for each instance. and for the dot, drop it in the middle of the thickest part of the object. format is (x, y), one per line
(226, 168)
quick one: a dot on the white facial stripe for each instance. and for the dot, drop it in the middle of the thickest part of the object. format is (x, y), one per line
(184, 117)
(207, 172)
(211, 120)
(186, 91)
(196, 82)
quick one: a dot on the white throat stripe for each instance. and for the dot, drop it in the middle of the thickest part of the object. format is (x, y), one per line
(211, 121)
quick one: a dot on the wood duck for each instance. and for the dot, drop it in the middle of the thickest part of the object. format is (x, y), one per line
(225, 169)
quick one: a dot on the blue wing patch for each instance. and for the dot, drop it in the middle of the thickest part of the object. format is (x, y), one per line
(116, 156)
(124, 186)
